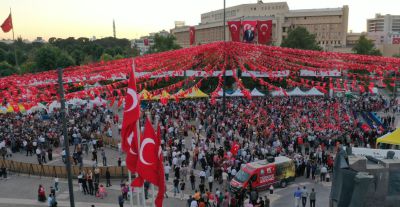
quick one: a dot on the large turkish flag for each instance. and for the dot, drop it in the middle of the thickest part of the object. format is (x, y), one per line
(264, 31)
(234, 28)
(192, 32)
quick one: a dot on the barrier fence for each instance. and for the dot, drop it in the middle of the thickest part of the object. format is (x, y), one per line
(60, 171)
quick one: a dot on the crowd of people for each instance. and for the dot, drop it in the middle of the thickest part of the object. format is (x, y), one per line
(198, 139)
(306, 129)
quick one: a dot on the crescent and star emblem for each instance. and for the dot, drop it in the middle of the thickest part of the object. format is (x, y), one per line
(264, 25)
(247, 27)
(133, 95)
(144, 143)
(234, 26)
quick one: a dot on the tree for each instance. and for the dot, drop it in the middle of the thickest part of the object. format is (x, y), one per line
(50, 57)
(6, 69)
(106, 57)
(396, 55)
(365, 46)
(300, 38)
(163, 43)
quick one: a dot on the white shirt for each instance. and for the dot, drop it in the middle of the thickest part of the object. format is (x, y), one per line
(210, 179)
(167, 168)
(193, 203)
(202, 174)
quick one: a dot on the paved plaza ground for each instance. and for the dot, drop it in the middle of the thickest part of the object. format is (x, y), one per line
(21, 191)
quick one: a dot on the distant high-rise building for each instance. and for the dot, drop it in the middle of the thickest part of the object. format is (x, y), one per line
(384, 29)
(115, 35)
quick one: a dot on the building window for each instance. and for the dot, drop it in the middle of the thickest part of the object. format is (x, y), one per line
(305, 17)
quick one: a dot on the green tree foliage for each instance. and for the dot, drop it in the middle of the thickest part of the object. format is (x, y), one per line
(50, 57)
(365, 46)
(300, 38)
(395, 55)
(106, 57)
(163, 43)
(6, 69)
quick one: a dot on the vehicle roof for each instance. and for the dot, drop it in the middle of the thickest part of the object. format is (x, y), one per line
(265, 163)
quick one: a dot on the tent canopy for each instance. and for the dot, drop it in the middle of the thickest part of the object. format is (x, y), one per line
(164, 94)
(390, 138)
(145, 95)
(237, 93)
(296, 92)
(279, 92)
(314, 92)
(256, 92)
(196, 93)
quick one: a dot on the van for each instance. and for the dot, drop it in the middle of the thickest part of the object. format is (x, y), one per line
(278, 171)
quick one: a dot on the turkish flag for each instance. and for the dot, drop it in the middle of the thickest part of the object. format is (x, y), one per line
(161, 174)
(396, 40)
(234, 28)
(264, 31)
(146, 42)
(192, 33)
(148, 163)
(7, 24)
(130, 117)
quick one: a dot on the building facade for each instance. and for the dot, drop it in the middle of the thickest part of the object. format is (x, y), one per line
(384, 30)
(144, 43)
(329, 25)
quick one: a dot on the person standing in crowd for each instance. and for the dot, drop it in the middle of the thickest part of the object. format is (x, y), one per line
(313, 196)
(297, 197)
(104, 158)
(108, 178)
(210, 182)
(304, 195)
(89, 178)
(41, 194)
(167, 169)
(176, 186)
(121, 200)
(56, 181)
(192, 180)
(182, 188)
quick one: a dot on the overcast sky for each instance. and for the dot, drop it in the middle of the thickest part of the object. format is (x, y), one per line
(134, 18)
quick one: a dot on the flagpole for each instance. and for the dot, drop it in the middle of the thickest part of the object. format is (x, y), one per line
(15, 45)
(152, 185)
(138, 136)
(130, 187)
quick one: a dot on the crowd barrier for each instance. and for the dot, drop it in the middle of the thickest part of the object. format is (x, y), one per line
(60, 171)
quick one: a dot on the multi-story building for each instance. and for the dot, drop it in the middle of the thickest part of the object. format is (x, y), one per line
(145, 42)
(384, 30)
(329, 25)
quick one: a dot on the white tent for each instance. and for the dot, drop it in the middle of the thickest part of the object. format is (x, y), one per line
(314, 92)
(296, 92)
(279, 92)
(38, 107)
(53, 105)
(76, 101)
(238, 92)
(256, 92)
(220, 93)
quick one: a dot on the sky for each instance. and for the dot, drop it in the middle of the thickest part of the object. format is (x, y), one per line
(135, 18)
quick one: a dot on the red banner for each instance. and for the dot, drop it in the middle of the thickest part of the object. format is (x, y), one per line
(234, 28)
(192, 32)
(396, 40)
(264, 30)
(146, 42)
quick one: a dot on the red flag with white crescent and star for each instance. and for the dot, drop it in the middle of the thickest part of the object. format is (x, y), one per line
(264, 31)
(7, 24)
(234, 28)
(148, 159)
(130, 117)
(161, 174)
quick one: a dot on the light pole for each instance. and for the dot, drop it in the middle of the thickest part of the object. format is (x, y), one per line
(66, 138)
(224, 76)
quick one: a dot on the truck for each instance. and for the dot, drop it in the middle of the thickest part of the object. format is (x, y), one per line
(278, 171)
